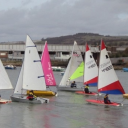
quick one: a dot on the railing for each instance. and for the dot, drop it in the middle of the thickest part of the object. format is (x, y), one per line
(55, 47)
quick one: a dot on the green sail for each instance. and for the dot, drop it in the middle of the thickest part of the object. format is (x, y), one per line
(78, 72)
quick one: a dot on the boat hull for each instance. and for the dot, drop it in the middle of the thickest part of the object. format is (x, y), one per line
(101, 102)
(9, 68)
(43, 93)
(125, 96)
(83, 93)
(69, 89)
(3, 101)
(125, 69)
(62, 73)
(59, 69)
(25, 100)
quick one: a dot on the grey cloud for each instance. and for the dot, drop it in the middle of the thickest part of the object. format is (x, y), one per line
(57, 18)
(24, 2)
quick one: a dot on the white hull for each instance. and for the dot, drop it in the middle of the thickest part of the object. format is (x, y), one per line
(62, 73)
(24, 99)
(10, 67)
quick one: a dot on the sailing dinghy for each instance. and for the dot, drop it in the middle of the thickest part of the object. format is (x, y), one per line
(48, 74)
(107, 79)
(90, 71)
(31, 76)
(74, 70)
(5, 82)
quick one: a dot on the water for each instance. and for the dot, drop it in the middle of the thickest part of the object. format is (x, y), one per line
(67, 110)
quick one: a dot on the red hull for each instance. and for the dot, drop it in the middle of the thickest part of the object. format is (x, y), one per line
(83, 93)
(101, 102)
(2, 101)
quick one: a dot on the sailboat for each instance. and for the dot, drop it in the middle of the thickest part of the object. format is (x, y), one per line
(107, 79)
(90, 71)
(48, 74)
(5, 82)
(74, 70)
(31, 76)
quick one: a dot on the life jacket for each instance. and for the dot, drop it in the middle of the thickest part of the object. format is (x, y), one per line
(34, 96)
(86, 87)
(105, 97)
(106, 100)
(30, 94)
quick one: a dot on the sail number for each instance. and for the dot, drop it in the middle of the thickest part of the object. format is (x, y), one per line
(50, 79)
(76, 54)
(107, 68)
(92, 66)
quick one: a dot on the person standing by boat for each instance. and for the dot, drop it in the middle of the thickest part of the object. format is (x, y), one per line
(86, 89)
(73, 84)
(106, 99)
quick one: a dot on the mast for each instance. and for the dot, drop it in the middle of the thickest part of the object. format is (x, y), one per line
(71, 59)
(99, 66)
(84, 63)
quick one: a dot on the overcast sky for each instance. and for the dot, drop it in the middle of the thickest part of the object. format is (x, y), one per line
(53, 18)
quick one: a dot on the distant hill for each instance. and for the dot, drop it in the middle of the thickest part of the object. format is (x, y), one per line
(81, 39)
(91, 38)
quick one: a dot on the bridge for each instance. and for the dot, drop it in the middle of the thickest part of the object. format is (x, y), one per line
(56, 51)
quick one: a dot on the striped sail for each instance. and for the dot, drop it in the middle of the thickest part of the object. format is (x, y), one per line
(46, 65)
(74, 70)
(90, 69)
(107, 80)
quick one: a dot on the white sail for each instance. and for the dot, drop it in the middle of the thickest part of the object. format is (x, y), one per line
(71, 70)
(33, 76)
(18, 88)
(90, 69)
(108, 81)
(65, 79)
(4, 79)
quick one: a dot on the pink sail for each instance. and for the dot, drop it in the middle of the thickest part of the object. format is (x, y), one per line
(46, 65)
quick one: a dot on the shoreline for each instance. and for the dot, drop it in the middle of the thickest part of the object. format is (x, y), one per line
(19, 63)
(56, 63)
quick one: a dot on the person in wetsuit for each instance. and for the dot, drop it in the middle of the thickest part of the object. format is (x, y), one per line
(106, 99)
(86, 89)
(73, 84)
(31, 95)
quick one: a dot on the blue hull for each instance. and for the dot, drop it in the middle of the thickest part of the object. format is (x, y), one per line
(10, 67)
(125, 69)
